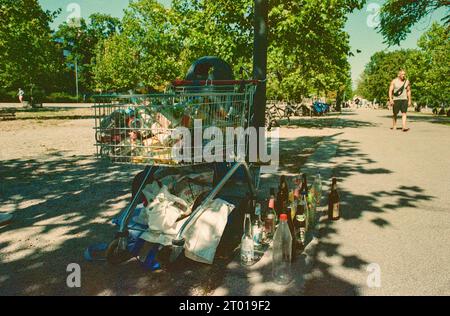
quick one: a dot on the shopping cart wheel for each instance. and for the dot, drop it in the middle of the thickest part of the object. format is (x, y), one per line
(115, 255)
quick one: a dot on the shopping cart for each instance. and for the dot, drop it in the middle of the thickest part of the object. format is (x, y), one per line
(156, 130)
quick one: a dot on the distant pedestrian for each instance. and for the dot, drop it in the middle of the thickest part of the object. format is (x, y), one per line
(21, 95)
(400, 98)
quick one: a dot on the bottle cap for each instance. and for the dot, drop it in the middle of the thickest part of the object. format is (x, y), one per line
(283, 217)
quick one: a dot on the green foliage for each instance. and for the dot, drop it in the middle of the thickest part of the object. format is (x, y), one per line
(398, 16)
(116, 64)
(308, 48)
(27, 54)
(435, 45)
(428, 70)
(145, 54)
(81, 41)
(151, 45)
(60, 97)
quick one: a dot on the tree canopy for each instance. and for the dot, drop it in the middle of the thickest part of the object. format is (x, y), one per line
(398, 16)
(27, 54)
(151, 45)
(79, 42)
(308, 47)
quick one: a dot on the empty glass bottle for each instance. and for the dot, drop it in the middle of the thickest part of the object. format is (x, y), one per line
(282, 253)
(334, 212)
(318, 188)
(247, 246)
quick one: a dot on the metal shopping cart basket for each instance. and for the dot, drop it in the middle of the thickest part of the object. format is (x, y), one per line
(158, 131)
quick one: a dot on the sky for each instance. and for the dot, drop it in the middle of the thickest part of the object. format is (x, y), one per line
(360, 25)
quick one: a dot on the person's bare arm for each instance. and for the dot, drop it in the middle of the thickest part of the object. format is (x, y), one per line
(391, 93)
(408, 91)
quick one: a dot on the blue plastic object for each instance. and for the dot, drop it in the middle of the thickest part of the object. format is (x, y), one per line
(150, 261)
(89, 251)
(320, 107)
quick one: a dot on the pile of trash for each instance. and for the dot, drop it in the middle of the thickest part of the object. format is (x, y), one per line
(144, 133)
(167, 205)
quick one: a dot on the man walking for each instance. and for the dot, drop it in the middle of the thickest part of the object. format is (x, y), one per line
(400, 98)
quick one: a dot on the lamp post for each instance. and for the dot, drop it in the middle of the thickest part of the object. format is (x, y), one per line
(76, 76)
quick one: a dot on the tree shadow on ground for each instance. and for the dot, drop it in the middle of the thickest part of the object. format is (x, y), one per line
(63, 204)
(434, 119)
(325, 122)
(354, 162)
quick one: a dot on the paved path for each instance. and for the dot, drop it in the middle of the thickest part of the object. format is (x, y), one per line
(396, 215)
(396, 220)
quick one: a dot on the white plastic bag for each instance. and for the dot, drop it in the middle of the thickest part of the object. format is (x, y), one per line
(162, 213)
(203, 236)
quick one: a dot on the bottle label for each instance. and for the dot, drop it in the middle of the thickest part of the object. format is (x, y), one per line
(336, 212)
(302, 235)
(247, 250)
(257, 234)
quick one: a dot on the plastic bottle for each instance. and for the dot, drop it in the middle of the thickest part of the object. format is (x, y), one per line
(282, 253)
(247, 246)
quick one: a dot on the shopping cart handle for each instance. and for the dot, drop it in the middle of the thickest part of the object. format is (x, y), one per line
(180, 82)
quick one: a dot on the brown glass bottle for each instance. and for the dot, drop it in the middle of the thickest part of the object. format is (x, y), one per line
(300, 224)
(334, 212)
(282, 196)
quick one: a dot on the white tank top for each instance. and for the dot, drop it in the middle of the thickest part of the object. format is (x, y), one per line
(397, 86)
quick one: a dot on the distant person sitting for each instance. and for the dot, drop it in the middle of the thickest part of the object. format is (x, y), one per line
(400, 98)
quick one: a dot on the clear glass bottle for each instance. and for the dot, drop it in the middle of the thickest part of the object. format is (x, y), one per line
(282, 253)
(247, 246)
(318, 188)
(304, 205)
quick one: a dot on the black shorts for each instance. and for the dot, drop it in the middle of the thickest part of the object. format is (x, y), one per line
(400, 105)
